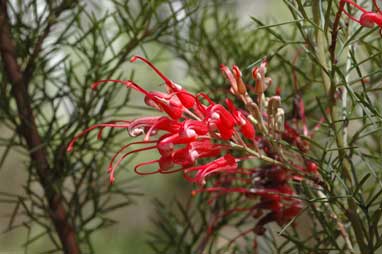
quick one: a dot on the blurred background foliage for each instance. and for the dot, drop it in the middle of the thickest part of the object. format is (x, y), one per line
(65, 45)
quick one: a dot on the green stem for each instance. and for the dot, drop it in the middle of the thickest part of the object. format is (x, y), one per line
(321, 46)
(340, 135)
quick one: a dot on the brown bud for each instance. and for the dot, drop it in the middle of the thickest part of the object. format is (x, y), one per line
(273, 104)
(241, 88)
(261, 82)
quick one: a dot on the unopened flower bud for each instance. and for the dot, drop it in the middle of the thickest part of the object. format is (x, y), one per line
(241, 88)
(273, 104)
(268, 82)
(261, 82)
(231, 78)
(280, 118)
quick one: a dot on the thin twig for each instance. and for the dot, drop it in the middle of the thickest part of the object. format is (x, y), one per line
(51, 21)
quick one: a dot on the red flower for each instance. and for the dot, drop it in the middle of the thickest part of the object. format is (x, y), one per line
(196, 136)
(186, 135)
(220, 120)
(246, 127)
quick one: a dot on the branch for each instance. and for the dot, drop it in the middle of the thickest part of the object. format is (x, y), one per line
(332, 48)
(28, 130)
(356, 221)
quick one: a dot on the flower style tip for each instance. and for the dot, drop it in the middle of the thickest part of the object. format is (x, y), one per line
(168, 82)
(70, 147)
(185, 97)
(133, 59)
(111, 179)
(94, 86)
(127, 83)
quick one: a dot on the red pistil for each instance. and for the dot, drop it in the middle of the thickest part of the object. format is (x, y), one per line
(226, 163)
(100, 126)
(161, 101)
(185, 97)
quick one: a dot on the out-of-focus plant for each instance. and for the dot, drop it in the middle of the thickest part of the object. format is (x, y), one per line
(50, 52)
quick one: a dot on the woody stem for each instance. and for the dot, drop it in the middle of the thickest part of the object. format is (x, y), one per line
(19, 79)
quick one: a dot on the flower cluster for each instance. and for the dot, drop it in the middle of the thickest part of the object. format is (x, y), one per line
(212, 143)
(186, 133)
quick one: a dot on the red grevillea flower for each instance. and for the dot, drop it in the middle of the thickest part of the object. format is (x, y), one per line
(196, 136)
(187, 132)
